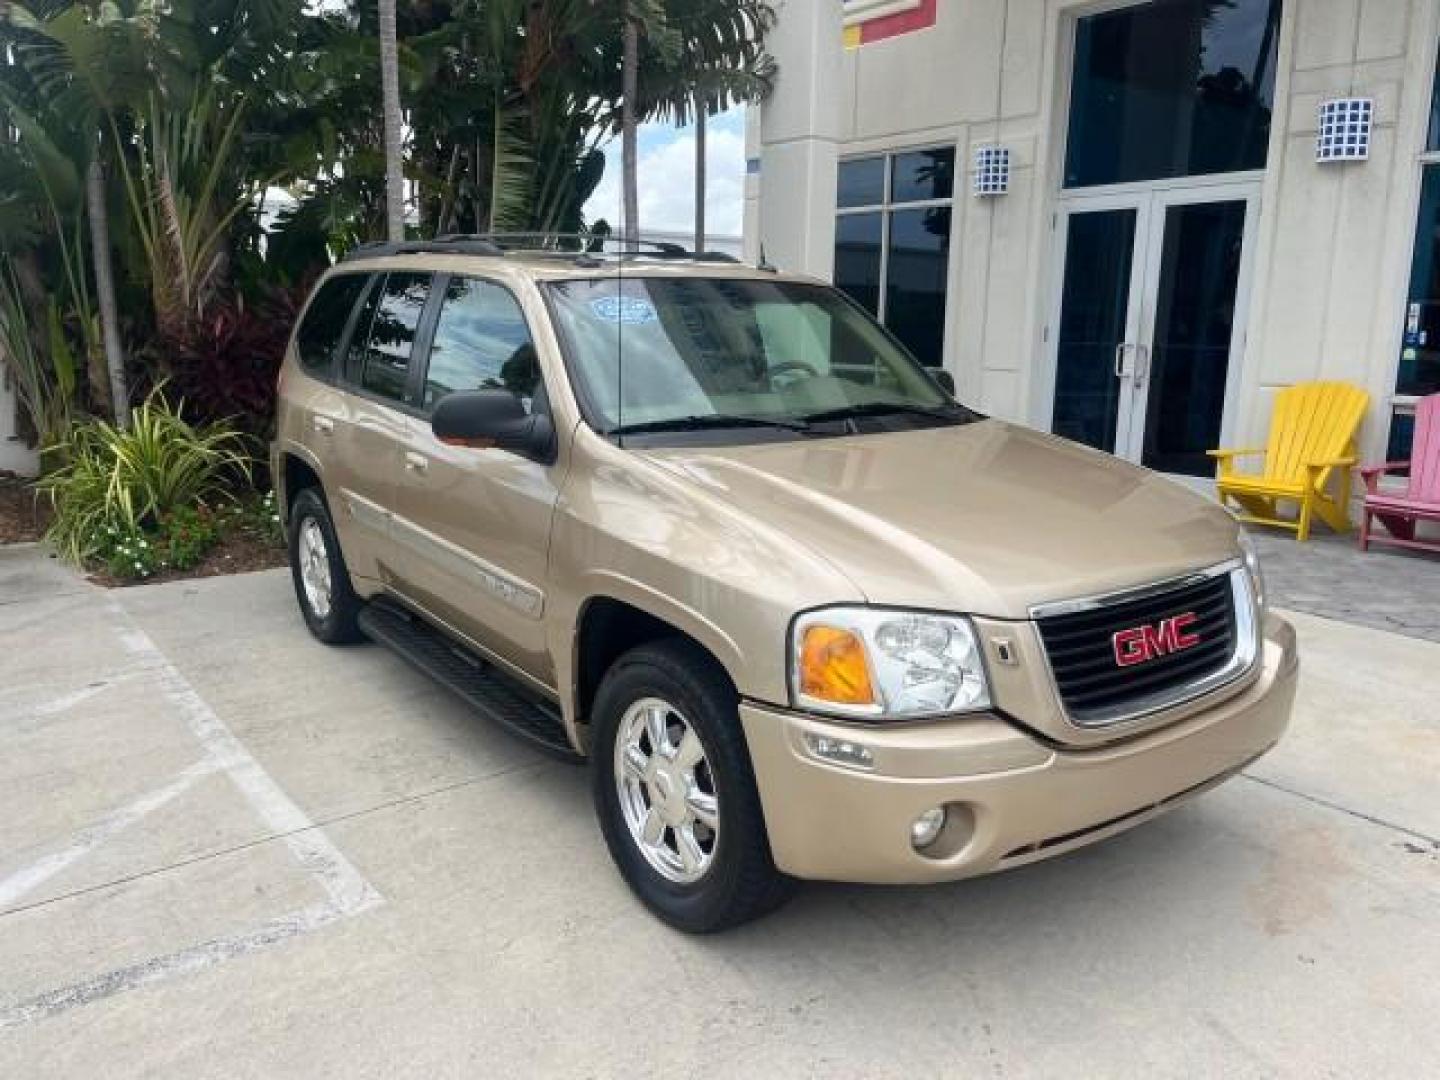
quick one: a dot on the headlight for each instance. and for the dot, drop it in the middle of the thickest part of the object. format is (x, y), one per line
(1252, 568)
(874, 662)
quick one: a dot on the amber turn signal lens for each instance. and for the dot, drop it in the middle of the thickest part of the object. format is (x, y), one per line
(833, 667)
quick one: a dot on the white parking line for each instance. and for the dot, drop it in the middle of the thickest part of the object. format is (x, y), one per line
(23, 881)
(347, 891)
(160, 968)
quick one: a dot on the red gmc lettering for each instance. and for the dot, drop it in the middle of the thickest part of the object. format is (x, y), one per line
(1141, 643)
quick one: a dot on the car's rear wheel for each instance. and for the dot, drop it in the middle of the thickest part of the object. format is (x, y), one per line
(675, 792)
(322, 581)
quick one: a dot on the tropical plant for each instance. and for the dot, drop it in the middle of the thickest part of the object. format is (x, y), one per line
(180, 207)
(127, 479)
(44, 385)
(82, 63)
(390, 98)
(716, 59)
(226, 364)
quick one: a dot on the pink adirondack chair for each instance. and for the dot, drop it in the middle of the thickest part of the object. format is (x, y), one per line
(1400, 512)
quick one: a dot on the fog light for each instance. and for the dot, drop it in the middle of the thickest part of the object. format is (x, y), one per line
(840, 751)
(925, 828)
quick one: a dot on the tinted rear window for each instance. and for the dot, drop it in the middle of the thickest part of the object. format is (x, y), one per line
(325, 320)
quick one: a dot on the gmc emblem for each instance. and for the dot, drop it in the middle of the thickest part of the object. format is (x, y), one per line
(1141, 643)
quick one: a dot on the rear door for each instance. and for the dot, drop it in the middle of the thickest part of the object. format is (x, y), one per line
(369, 424)
(475, 524)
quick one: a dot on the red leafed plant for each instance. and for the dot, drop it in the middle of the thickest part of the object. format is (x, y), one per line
(225, 365)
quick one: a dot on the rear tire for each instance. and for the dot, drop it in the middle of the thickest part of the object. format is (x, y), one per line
(697, 877)
(317, 568)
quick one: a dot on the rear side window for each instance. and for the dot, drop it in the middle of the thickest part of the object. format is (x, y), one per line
(386, 363)
(481, 342)
(324, 323)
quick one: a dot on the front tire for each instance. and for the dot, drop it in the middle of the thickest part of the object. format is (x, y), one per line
(675, 792)
(322, 581)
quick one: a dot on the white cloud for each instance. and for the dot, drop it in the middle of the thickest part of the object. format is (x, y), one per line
(666, 177)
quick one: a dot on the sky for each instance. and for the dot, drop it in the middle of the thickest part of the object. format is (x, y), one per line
(667, 177)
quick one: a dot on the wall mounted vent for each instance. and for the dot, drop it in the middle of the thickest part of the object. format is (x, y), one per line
(1344, 133)
(992, 170)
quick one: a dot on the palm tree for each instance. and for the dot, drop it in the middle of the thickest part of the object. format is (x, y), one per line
(717, 59)
(84, 68)
(629, 121)
(390, 95)
(100, 254)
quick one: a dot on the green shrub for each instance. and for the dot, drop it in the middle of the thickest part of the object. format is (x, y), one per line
(130, 479)
(186, 535)
(258, 517)
(126, 554)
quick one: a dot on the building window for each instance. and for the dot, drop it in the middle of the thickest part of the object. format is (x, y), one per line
(1171, 88)
(892, 242)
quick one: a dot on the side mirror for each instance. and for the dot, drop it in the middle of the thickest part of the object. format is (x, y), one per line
(944, 380)
(493, 419)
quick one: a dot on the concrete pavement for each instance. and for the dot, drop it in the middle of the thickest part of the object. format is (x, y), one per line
(228, 851)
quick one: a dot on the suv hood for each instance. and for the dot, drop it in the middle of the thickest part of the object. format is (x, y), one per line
(986, 518)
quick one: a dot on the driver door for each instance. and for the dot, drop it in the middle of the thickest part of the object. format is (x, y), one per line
(474, 525)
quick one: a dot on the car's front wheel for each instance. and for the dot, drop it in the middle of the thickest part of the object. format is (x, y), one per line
(322, 581)
(675, 792)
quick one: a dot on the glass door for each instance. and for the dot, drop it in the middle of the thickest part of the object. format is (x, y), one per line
(1150, 319)
(1098, 322)
(1191, 338)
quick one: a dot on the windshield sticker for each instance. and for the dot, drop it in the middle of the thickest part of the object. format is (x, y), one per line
(627, 310)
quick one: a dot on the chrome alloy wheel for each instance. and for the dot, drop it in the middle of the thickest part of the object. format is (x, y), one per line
(314, 567)
(667, 790)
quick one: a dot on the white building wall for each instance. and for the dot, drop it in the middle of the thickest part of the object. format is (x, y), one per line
(1334, 242)
(15, 456)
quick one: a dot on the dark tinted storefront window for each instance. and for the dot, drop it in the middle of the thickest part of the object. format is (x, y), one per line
(891, 254)
(857, 258)
(1419, 371)
(915, 280)
(1432, 139)
(929, 174)
(861, 183)
(1172, 88)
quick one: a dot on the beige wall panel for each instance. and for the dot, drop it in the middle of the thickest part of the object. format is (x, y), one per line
(1357, 261)
(1022, 65)
(945, 75)
(1326, 31)
(1289, 348)
(1384, 29)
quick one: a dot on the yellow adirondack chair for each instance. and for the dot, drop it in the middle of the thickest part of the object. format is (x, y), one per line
(1312, 438)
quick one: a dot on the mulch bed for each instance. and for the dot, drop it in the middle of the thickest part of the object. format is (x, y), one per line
(234, 553)
(23, 518)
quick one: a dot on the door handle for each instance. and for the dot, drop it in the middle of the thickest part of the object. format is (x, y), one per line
(1120, 371)
(323, 425)
(416, 463)
(1142, 365)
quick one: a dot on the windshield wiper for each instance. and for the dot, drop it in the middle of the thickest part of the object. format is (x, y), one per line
(883, 408)
(709, 422)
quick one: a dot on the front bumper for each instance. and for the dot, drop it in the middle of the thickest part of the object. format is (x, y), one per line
(1011, 799)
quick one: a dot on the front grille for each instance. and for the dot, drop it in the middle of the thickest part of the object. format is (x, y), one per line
(1096, 689)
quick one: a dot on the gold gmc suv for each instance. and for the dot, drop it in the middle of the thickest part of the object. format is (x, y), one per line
(713, 529)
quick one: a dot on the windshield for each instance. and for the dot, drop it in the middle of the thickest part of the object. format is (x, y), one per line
(675, 354)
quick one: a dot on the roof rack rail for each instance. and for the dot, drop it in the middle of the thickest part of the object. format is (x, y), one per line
(552, 243)
(457, 245)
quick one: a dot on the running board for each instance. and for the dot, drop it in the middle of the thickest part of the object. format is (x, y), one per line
(489, 692)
